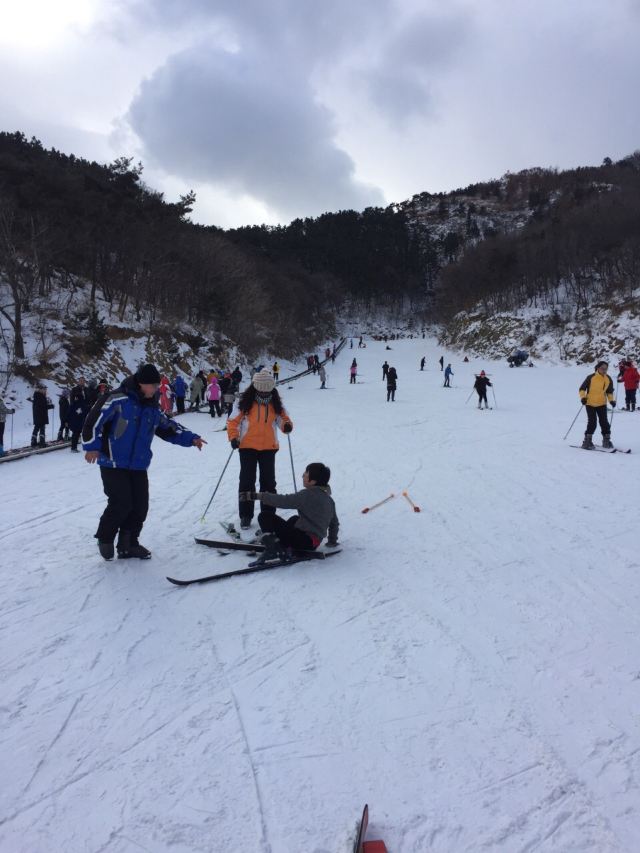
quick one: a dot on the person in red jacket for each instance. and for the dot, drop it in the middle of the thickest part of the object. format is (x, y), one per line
(631, 380)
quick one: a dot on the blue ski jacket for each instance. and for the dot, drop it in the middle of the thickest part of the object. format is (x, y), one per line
(179, 387)
(122, 424)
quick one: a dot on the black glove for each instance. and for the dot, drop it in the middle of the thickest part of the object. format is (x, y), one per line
(287, 428)
(584, 401)
(613, 404)
(235, 443)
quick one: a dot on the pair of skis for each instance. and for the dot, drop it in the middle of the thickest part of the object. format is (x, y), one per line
(601, 449)
(257, 566)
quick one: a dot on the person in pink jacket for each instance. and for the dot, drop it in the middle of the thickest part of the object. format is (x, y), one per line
(213, 396)
(353, 370)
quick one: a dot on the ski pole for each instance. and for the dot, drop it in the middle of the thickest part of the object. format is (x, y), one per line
(415, 508)
(572, 423)
(469, 397)
(12, 430)
(369, 508)
(218, 484)
(495, 402)
(293, 473)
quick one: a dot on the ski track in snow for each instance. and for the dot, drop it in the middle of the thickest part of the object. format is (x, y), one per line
(469, 670)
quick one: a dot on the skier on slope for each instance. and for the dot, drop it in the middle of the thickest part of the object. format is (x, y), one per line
(441, 362)
(385, 370)
(252, 430)
(316, 515)
(63, 410)
(4, 411)
(117, 434)
(322, 373)
(594, 392)
(481, 383)
(422, 362)
(392, 384)
(180, 390)
(353, 372)
(631, 379)
(41, 405)
(448, 373)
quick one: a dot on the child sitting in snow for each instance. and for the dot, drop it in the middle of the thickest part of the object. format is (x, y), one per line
(316, 515)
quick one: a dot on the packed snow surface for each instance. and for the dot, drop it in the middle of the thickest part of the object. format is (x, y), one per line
(471, 671)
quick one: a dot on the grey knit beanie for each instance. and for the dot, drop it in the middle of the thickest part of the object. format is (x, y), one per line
(263, 382)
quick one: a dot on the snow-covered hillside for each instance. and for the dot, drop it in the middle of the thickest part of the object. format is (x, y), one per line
(470, 671)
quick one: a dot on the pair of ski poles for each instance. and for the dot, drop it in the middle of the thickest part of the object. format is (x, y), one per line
(495, 402)
(405, 495)
(613, 411)
(226, 465)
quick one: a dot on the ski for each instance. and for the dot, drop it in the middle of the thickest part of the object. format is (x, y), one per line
(230, 546)
(262, 567)
(230, 530)
(601, 449)
(362, 846)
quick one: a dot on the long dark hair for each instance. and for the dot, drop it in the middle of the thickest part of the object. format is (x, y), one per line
(248, 398)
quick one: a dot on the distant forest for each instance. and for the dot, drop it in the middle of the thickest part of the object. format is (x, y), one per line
(64, 219)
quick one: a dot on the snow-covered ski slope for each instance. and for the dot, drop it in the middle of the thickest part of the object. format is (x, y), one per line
(470, 671)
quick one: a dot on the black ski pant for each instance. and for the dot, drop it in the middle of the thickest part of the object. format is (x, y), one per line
(352, 381)
(1, 432)
(482, 396)
(250, 461)
(38, 434)
(75, 438)
(391, 394)
(215, 408)
(128, 503)
(446, 382)
(180, 405)
(289, 535)
(384, 375)
(594, 414)
(630, 398)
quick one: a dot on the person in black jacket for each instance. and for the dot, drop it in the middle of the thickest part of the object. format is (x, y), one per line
(78, 410)
(41, 405)
(63, 408)
(385, 370)
(392, 380)
(481, 383)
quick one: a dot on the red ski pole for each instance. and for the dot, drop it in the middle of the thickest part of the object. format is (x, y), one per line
(369, 508)
(415, 508)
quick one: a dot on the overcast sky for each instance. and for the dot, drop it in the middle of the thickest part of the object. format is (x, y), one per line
(273, 109)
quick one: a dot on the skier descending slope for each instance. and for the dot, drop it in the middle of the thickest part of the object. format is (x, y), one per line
(481, 383)
(594, 393)
(252, 429)
(117, 434)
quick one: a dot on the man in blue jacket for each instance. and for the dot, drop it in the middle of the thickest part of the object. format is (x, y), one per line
(117, 434)
(180, 390)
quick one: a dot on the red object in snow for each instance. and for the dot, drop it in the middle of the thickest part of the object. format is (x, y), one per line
(362, 846)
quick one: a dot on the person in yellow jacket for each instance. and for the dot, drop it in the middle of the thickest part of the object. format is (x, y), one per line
(594, 393)
(252, 429)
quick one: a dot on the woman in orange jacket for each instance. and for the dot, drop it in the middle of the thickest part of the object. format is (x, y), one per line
(252, 429)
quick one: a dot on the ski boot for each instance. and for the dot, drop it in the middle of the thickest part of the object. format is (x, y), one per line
(245, 523)
(129, 548)
(42, 442)
(587, 443)
(106, 550)
(606, 442)
(272, 549)
(34, 441)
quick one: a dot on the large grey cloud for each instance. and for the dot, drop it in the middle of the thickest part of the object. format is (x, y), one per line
(250, 125)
